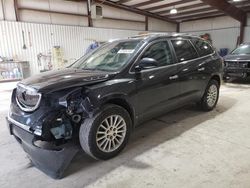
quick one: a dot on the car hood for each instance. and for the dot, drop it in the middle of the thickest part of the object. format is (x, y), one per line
(237, 57)
(65, 78)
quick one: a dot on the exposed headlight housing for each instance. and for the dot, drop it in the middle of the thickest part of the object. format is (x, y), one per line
(27, 98)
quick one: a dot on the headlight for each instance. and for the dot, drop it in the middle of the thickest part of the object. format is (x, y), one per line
(27, 98)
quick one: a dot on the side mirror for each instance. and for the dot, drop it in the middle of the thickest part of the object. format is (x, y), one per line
(147, 63)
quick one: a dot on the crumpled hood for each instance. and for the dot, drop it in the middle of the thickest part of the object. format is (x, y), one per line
(237, 57)
(65, 78)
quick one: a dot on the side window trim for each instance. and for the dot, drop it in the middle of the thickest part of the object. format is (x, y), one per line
(173, 51)
(146, 48)
(194, 48)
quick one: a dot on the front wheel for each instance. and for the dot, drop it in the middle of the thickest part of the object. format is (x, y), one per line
(106, 134)
(211, 96)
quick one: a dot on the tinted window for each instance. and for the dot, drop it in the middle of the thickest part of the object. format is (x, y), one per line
(161, 52)
(202, 47)
(184, 50)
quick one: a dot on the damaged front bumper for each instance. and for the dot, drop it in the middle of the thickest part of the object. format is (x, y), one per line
(52, 160)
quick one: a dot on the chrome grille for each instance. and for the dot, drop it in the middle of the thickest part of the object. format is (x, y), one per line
(27, 98)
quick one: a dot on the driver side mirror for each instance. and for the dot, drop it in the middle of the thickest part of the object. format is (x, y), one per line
(146, 63)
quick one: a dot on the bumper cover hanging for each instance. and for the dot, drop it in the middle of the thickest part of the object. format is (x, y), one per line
(52, 162)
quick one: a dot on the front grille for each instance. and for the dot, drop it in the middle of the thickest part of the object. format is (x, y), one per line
(237, 64)
(27, 98)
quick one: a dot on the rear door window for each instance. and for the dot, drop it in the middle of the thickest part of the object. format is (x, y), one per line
(184, 50)
(202, 47)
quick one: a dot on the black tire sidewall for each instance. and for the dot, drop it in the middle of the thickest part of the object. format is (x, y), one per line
(105, 112)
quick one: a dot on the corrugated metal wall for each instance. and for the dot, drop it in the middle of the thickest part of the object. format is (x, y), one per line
(222, 38)
(74, 40)
(247, 34)
(224, 30)
(247, 30)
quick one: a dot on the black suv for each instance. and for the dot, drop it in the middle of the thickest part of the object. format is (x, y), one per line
(237, 63)
(98, 100)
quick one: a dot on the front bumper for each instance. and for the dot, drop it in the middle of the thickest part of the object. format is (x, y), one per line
(51, 161)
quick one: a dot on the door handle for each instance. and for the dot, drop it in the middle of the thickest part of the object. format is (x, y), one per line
(173, 77)
(201, 69)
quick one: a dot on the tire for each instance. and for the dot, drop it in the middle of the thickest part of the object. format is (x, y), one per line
(92, 143)
(210, 98)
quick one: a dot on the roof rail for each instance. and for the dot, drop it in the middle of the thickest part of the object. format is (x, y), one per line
(146, 35)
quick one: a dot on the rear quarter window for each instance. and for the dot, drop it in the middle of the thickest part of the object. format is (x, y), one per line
(202, 47)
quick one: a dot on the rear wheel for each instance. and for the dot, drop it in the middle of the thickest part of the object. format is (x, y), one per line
(210, 97)
(105, 135)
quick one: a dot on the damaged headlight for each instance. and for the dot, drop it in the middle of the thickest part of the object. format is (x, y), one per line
(27, 98)
(62, 123)
(77, 106)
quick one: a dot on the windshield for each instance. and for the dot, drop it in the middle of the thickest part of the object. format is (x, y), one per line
(109, 57)
(243, 49)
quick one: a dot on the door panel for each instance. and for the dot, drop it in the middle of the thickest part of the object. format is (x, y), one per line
(157, 87)
(157, 91)
(190, 69)
(195, 74)
(193, 77)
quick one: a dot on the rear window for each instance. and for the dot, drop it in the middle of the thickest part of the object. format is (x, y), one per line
(202, 47)
(184, 50)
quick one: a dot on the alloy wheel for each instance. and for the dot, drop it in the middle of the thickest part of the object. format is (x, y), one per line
(111, 133)
(212, 95)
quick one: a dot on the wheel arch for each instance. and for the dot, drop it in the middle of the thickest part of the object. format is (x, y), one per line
(217, 78)
(121, 101)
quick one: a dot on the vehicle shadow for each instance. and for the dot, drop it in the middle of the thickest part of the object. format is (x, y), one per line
(145, 137)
